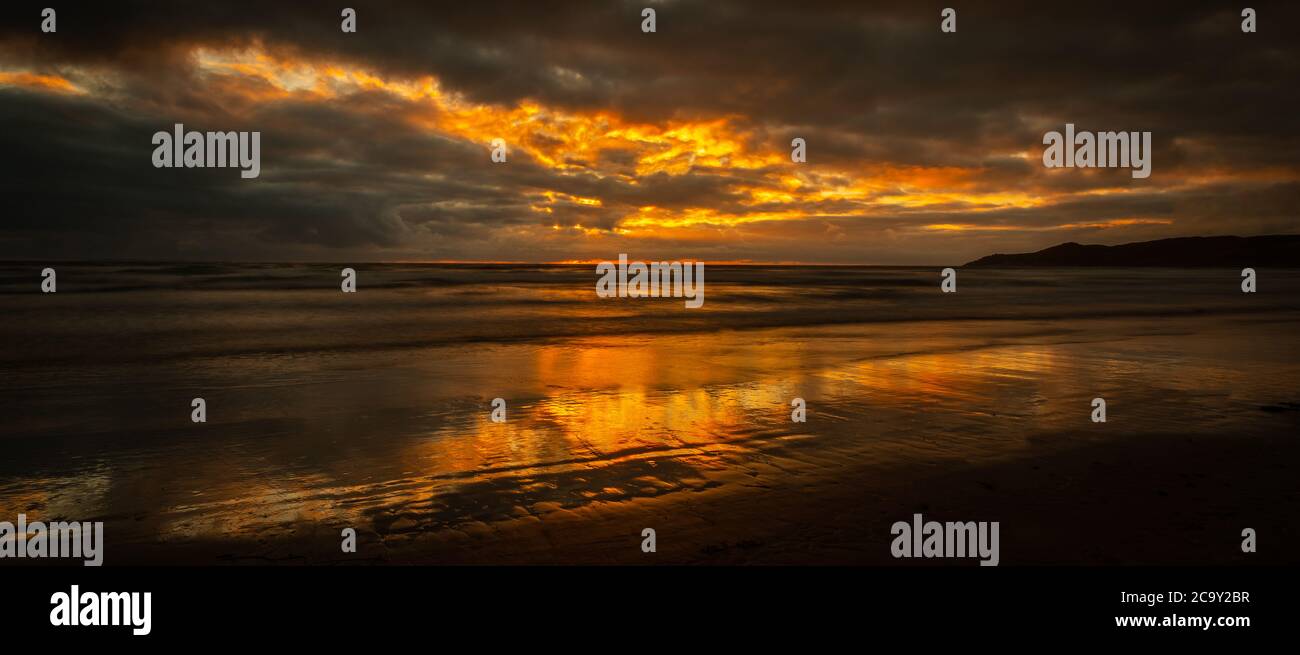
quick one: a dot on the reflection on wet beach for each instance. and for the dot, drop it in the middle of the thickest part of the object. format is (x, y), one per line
(326, 411)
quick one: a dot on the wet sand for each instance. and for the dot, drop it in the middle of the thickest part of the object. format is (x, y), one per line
(684, 428)
(1103, 504)
(1212, 453)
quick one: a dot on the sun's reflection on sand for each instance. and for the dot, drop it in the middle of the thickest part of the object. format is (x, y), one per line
(603, 425)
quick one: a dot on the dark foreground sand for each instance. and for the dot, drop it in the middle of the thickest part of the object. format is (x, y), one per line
(1152, 500)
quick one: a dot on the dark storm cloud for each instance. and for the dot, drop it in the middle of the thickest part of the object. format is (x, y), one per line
(869, 85)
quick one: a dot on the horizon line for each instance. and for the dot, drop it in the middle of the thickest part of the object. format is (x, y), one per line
(453, 262)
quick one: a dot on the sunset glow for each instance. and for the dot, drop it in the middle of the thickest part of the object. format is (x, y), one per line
(599, 163)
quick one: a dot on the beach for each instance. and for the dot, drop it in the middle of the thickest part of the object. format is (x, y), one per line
(371, 411)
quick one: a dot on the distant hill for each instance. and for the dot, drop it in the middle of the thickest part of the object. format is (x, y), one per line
(1280, 250)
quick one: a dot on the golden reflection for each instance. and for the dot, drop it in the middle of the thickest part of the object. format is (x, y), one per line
(608, 422)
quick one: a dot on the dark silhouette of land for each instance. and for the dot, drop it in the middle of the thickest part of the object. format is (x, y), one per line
(1280, 250)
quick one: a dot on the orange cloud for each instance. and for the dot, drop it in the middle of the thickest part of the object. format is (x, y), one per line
(39, 82)
(769, 188)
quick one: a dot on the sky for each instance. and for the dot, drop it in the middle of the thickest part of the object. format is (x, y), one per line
(923, 147)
